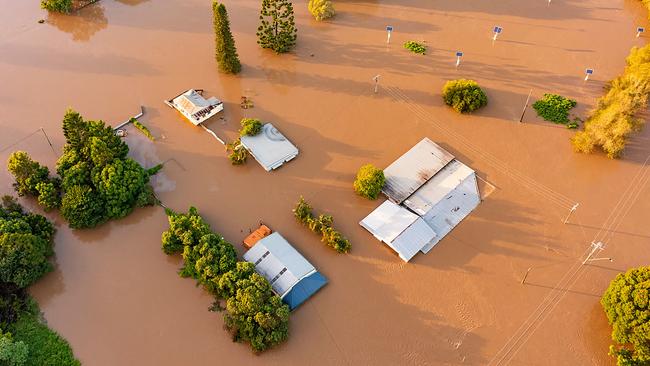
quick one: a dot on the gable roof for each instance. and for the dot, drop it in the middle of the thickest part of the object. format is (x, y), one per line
(270, 147)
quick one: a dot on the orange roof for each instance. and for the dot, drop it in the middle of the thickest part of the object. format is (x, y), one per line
(256, 235)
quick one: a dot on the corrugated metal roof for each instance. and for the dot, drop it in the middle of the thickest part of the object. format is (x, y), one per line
(270, 148)
(413, 169)
(304, 289)
(402, 230)
(278, 262)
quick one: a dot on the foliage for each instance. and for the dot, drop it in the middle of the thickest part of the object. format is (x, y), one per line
(321, 9)
(45, 346)
(142, 128)
(237, 153)
(616, 115)
(250, 127)
(253, 312)
(554, 108)
(370, 181)
(61, 6)
(464, 96)
(627, 305)
(25, 245)
(225, 50)
(12, 353)
(12, 303)
(277, 29)
(98, 182)
(321, 225)
(415, 47)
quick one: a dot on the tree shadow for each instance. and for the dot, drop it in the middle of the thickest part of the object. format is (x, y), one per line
(83, 24)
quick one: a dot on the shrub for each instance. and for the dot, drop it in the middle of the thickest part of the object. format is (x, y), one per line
(237, 153)
(370, 181)
(321, 225)
(142, 128)
(225, 50)
(250, 127)
(321, 9)
(27, 172)
(184, 229)
(415, 47)
(12, 353)
(61, 6)
(616, 116)
(464, 96)
(554, 108)
(627, 305)
(277, 29)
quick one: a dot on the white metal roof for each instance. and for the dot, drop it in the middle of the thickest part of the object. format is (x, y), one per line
(278, 262)
(196, 108)
(413, 169)
(438, 187)
(401, 229)
(270, 147)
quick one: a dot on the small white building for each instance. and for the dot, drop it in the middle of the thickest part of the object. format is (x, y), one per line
(430, 184)
(194, 107)
(270, 147)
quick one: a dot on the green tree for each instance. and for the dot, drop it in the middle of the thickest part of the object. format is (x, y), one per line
(82, 207)
(321, 225)
(12, 353)
(627, 305)
(321, 9)
(61, 6)
(370, 181)
(225, 50)
(27, 173)
(184, 230)
(237, 153)
(303, 211)
(277, 29)
(206, 261)
(250, 127)
(554, 108)
(119, 184)
(464, 96)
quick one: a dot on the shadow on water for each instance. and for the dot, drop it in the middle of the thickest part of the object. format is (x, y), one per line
(83, 24)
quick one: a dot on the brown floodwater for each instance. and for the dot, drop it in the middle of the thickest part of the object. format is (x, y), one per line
(118, 299)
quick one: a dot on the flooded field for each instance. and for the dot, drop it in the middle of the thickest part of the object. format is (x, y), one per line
(118, 299)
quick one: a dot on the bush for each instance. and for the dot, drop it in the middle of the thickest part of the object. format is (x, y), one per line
(415, 47)
(627, 305)
(616, 116)
(554, 108)
(237, 153)
(277, 29)
(61, 6)
(370, 181)
(464, 96)
(142, 128)
(250, 127)
(225, 50)
(321, 225)
(12, 353)
(27, 172)
(321, 9)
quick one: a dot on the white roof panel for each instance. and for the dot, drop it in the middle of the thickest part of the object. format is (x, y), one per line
(413, 239)
(270, 147)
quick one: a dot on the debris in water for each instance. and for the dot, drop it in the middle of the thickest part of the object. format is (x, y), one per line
(246, 102)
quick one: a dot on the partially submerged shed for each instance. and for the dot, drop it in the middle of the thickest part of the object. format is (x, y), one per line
(292, 277)
(194, 107)
(270, 147)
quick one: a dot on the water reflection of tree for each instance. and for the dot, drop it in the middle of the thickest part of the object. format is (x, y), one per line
(82, 24)
(131, 2)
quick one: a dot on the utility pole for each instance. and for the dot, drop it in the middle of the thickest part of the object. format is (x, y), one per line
(596, 247)
(573, 209)
(521, 119)
(376, 79)
(523, 280)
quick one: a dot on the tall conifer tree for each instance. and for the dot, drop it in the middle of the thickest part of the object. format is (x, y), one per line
(225, 51)
(277, 29)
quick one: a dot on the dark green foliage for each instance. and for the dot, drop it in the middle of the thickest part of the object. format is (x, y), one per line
(464, 96)
(12, 303)
(277, 29)
(25, 245)
(12, 353)
(142, 128)
(415, 47)
(225, 50)
(370, 181)
(237, 153)
(61, 6)
(627, 305)
(98, 182)
(554, 108)
(321, 225)
(250, 127)
(253, 312)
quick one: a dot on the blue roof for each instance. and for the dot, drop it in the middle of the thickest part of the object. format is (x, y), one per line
(304, 289)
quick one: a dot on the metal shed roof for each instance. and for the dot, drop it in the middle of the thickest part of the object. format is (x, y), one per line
(279, 262)
(304, 289)
(414, 169)
(405, 232)
(270, 148)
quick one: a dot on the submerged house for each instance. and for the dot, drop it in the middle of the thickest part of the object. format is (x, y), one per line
(429, 183)
(194, 107)
(270, 147)
(292, 277)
